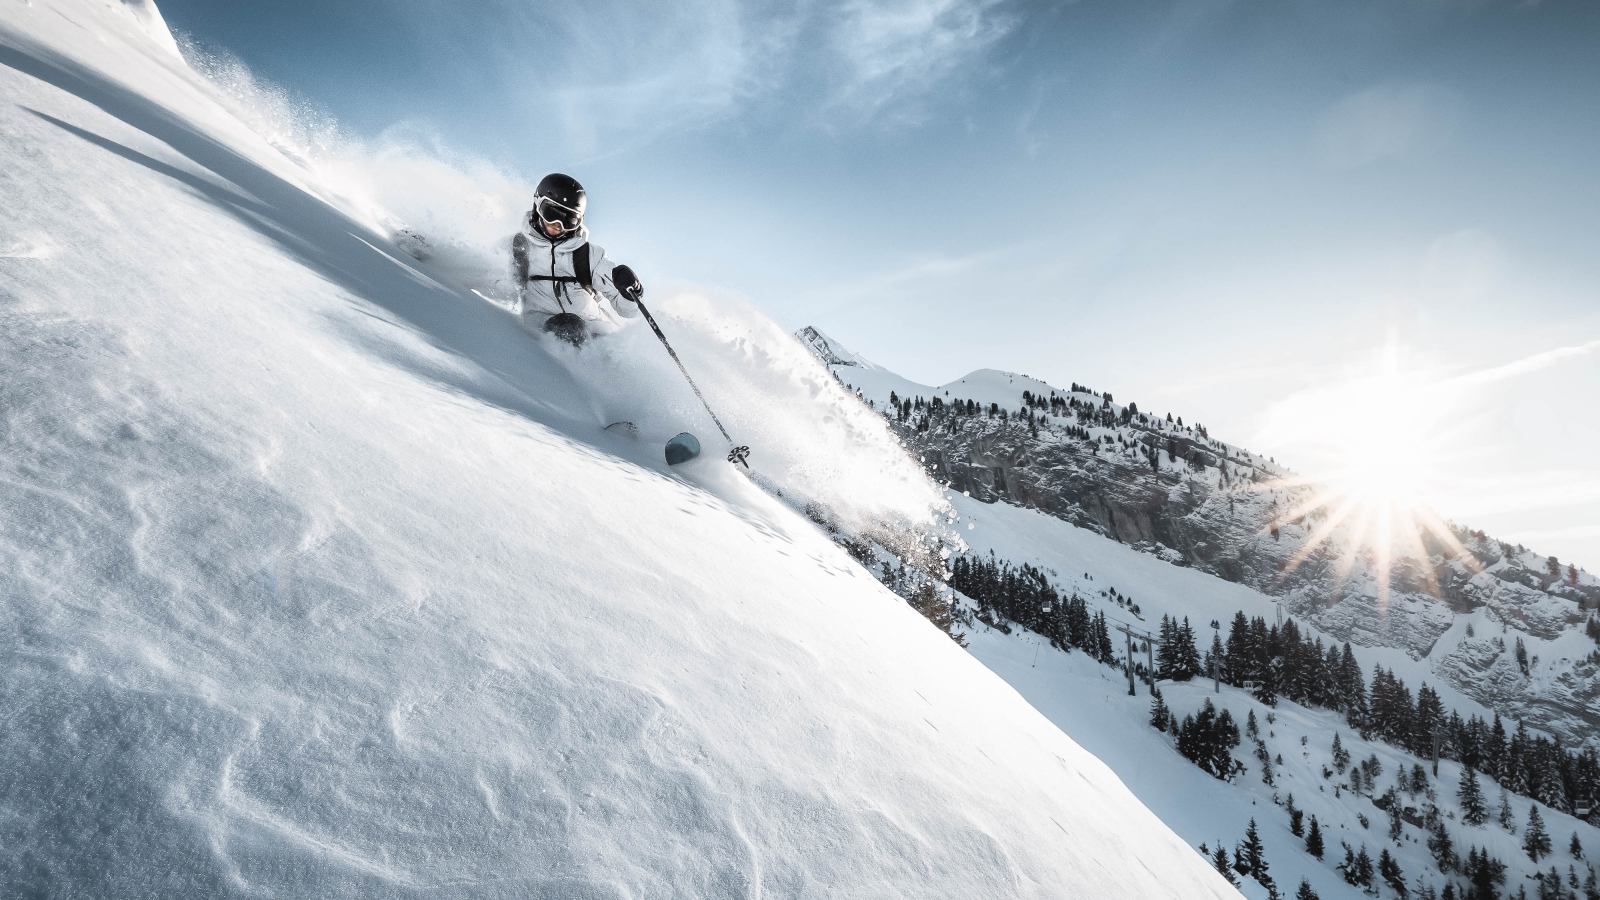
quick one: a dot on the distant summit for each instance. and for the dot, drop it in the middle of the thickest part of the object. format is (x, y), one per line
(828, 350)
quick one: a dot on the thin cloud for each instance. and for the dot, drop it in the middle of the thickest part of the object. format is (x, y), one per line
(904, 47)
(1387, 122)
(1525, 365)
(608, 72)
(907, 279)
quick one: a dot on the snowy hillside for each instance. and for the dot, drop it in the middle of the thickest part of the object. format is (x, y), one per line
(320, 578)
(1176, 492)
(1090, 702)
(1017, 628)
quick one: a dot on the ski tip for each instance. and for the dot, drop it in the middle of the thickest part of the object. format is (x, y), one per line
(682, 448)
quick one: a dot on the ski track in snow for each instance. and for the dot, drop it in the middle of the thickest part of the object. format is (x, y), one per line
(319, 578)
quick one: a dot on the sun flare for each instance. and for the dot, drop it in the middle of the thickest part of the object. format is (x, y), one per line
(1375, 444)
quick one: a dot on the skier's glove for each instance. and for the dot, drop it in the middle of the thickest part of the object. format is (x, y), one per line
(627, 283)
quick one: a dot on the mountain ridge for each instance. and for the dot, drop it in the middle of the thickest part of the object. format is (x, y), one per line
(1182, 496)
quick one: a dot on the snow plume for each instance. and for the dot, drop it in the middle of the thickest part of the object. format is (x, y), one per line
(812, 442)
(452, 211)
(448, 208)
(291, 124)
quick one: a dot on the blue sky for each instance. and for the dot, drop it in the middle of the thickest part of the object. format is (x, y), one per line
(1225, 209)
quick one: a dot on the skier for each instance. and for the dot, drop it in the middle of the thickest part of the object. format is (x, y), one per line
(560, 277)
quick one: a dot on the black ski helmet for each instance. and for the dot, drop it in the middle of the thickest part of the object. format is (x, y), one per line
(559, 198)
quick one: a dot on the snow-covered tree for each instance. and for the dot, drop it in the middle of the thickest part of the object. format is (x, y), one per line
(1363, 869)
(1535, 841)
(1208, 738)
(1483, 873)
(1507, 819)
(1396, 824)
(1442, 848)
(1159, 713)
(1470, 796)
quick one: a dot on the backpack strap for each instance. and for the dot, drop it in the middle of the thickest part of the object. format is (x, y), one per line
(580, 265)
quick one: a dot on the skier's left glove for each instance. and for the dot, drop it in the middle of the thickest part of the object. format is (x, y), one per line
(627, 283)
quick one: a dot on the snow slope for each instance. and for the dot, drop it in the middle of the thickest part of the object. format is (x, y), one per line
(1089, 701)
(320, 578)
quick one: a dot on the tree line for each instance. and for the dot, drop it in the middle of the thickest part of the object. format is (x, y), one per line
(1282, 662)
(1025, 596)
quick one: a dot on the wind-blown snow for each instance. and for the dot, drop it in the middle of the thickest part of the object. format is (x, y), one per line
(454, 214)
(319, 578)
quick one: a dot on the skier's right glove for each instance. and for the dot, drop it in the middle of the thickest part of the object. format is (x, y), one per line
(627, 283)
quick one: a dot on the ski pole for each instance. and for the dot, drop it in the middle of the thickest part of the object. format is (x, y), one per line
(635, 293)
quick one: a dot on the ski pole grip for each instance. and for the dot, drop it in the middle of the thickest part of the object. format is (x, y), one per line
(627, 283)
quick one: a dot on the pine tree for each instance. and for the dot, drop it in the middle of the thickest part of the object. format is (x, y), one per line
(1314, 839)
(1508, 819)
(1498, 751)
(1188, 657)
(1296, 818)
(1167, 649)
(1419, 780)
(1576, 847)
(1389, 870)
(1239, 657)
(1439, 844)
(1534, 839)
(1483, 872)
(1552, 788)
(1305, 892)
(1396, 824)
(1363, 868)
(1159, 714)
(1220, 861)
(1251, 854)
(1341, 756)
(1473, 811)
(1550, 885)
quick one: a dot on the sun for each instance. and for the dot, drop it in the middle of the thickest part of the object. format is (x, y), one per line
(1386, 445)
(1376, 445)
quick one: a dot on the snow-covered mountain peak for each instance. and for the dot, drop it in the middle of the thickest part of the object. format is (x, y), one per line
(830, 351)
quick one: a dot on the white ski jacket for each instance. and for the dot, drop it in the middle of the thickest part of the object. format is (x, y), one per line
(533, 254)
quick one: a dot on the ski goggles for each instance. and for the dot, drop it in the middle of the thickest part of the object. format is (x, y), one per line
(551, 212)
